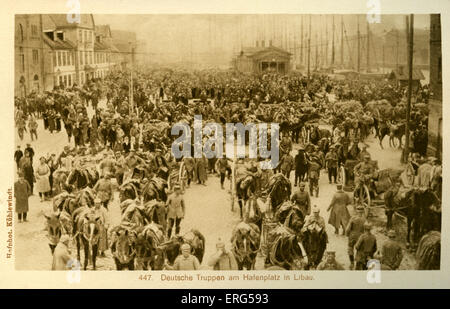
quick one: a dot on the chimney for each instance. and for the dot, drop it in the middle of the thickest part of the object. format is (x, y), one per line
(257, 43)
(263, 44)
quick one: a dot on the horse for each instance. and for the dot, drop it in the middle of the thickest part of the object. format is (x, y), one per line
(245, 245)
(171, 247)
(278, 191)
(417, 206)
(381, 131)
(290, 216)
(324, 145)
(314, 240)
(284, 249)
(154, 189)
(123, 247)
(87, 227)
(428, 254)
(396, 131)
(132, 213)
(148, 253)
(130, 189)
(54, 230)
(82, 178)
(245, 190)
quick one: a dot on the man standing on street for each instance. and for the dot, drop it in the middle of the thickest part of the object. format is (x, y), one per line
(287, 165)
(339, 215)
(223, 259)
(391, 252)
(22, 191)
(354, 229)
(30, 150)
(32, 126)
(331, 160)
(185, 261)
(330, 262)
(366, 246)
(175, 210)
(18, 154)
(61, 256)
(302, 200)
(224, 169)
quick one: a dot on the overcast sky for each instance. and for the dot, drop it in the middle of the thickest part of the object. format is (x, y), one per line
(198, 34)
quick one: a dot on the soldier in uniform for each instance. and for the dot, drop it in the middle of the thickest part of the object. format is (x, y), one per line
(391, 252)
(315, 218)
(354, 229)
(224, 169)
(313, 176)
(302, 200)
(339, 215)
(104, 190)
(363, 170)
(366, 246)
(287, 165)
(330, 262)
(189, 165)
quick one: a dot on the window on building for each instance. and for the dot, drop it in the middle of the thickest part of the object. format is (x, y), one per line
(22, 60)
(64, 58)
(91, 55)
(86, 58)
(55, 60)
(34, 30)
(60, 80)
(80, 35)
(439, 70)
(80, 56)
(69, 77)
(73, 78)
(35, 56)
(20, 33)
(65, 80)
(59, 59)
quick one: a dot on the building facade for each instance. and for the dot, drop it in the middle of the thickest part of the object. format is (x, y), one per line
(28, 51)
(263, 59)
(435, 102)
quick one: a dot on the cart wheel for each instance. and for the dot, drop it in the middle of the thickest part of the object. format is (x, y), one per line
(365, 200)
(233, 184)
(182, 176)
(341, 176)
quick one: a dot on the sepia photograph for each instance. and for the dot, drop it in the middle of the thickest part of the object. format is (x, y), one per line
(227, 142)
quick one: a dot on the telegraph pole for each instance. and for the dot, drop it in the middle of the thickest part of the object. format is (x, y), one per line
(309, 48)
(332, 46)
(410, 36)
(358, 63)
(301, 41)
(131, 80)
(342, 41)
(368, 48)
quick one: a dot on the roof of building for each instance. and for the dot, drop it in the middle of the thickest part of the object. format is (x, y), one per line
(103, 30)
(100, 46)
(123, 47)
(402, 74)
(252, 51)
(60, 21)
(58, 44)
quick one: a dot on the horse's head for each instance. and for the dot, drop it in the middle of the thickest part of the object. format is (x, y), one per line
(53, 228)
(91, 227)
(124, 246)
